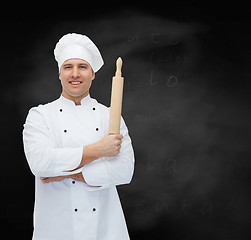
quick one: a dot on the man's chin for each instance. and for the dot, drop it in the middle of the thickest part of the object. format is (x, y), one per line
(78, 94)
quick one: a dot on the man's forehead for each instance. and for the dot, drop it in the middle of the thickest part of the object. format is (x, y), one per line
(75, 61)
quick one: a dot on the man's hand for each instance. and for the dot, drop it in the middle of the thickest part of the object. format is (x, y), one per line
(52, 179)
(109, 145)
(77, 177)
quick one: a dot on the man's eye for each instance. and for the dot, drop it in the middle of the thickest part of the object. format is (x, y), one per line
(67, 67)
(83, 67)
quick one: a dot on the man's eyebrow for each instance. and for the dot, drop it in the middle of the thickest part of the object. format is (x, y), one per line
(80, 64)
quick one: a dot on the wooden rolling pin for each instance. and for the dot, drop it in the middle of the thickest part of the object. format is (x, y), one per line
(116, 100)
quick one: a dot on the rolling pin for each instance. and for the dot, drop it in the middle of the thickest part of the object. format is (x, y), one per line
(116, 99)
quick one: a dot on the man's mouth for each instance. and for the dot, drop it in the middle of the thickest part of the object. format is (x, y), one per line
(75, 82)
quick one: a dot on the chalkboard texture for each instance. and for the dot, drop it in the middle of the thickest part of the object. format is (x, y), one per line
(186, 91)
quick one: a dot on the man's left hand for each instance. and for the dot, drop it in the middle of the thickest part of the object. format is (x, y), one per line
(77, 177)
(52, 179)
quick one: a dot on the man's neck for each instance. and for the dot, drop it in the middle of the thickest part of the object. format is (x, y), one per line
(75, 99)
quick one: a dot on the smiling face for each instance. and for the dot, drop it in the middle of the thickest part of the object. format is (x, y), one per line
(76, 77)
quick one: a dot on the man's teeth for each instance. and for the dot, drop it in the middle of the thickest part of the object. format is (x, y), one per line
(75, 83)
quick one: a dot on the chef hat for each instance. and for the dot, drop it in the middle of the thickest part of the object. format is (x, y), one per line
(73, 45)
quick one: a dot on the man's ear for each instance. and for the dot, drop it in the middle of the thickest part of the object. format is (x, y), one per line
(59, 76)
(93, 75)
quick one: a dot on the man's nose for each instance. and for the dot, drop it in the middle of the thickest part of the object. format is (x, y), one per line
(75, 73)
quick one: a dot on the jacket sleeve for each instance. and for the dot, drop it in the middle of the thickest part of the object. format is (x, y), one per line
(44, 159)
(110, 171)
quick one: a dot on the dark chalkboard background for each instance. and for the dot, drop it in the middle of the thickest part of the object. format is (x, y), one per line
(186, 103)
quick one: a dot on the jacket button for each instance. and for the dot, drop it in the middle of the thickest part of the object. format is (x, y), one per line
(94, 209)
(93, 109)
(96, 129)
(73, 182)
(61, 110)
(75, 209)
(65, 130)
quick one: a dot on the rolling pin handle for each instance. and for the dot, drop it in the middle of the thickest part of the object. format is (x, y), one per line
(119, 66)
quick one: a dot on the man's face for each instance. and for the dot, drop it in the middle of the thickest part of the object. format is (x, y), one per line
(76, 77)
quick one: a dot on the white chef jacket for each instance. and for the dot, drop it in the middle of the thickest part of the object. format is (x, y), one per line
(54, 135)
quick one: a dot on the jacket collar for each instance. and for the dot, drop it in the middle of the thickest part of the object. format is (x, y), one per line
(84, 102)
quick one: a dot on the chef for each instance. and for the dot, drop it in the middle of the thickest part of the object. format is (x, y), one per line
(76, 163)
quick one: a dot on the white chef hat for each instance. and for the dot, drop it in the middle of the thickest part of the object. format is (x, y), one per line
(73, 45)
